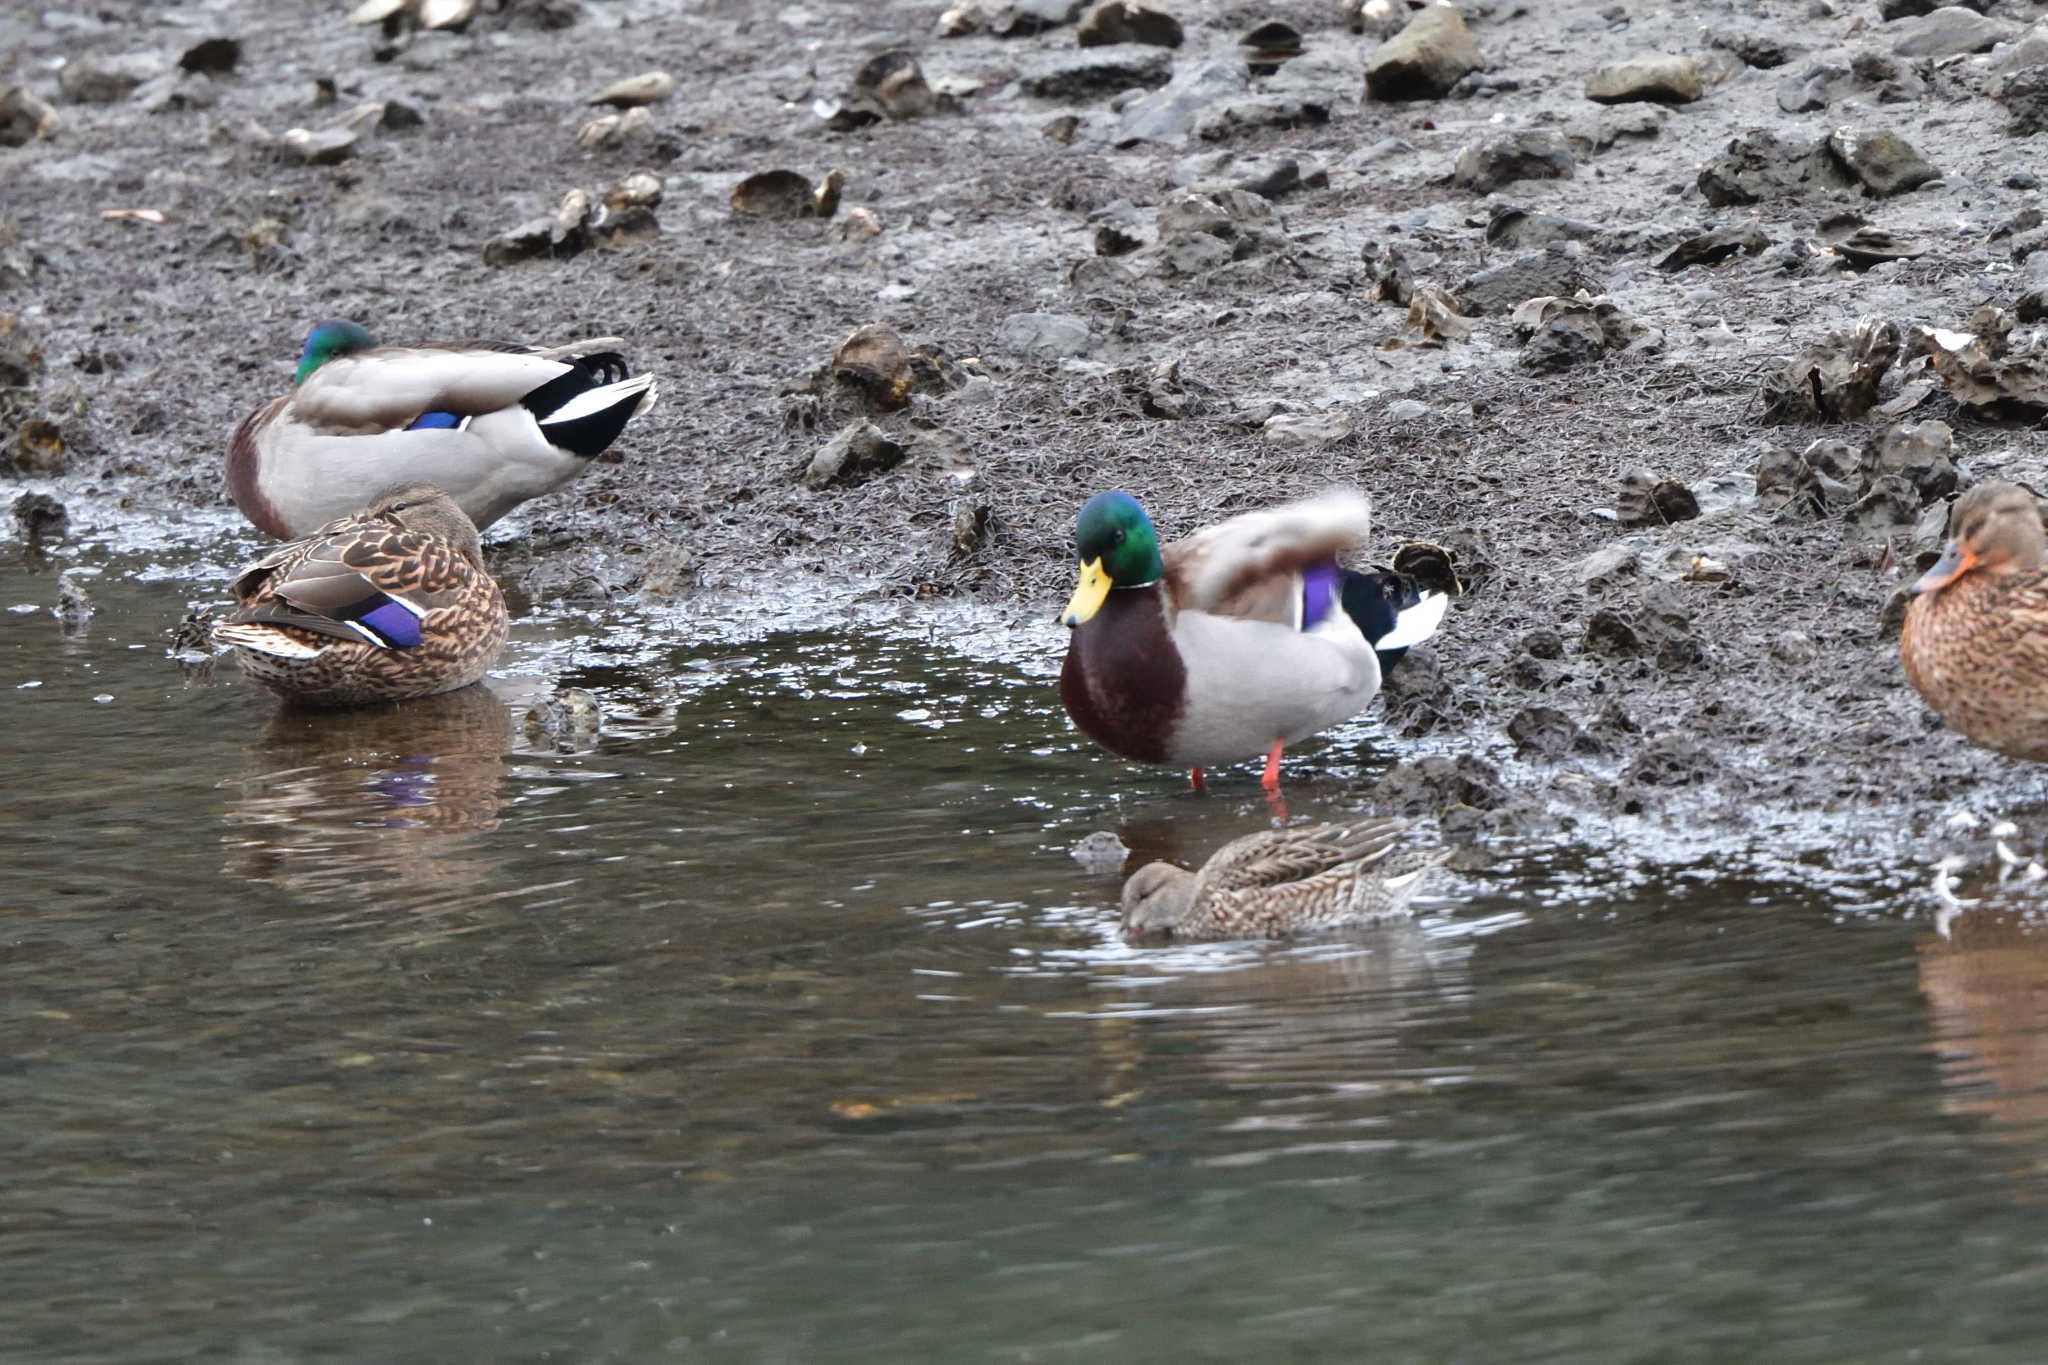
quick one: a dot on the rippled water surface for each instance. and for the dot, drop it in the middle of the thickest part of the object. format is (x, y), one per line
(778, 1024)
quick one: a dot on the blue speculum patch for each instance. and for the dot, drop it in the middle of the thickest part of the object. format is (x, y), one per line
(394, 625)
(433, 421)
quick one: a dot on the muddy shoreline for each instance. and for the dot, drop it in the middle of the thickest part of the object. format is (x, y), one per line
(1592, 671)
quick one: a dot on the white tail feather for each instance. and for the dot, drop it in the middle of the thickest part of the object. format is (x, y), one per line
(1417, 623)
(592, 401)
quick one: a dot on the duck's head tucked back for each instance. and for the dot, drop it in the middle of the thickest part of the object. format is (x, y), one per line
(328, 340)
(426, 509)
(1995, 528)
(1118, 549)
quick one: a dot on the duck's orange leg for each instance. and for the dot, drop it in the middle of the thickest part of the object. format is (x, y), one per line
(1195, 782)
(1271, 780)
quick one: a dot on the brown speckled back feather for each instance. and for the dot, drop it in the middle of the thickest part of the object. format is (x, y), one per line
(1977, 651)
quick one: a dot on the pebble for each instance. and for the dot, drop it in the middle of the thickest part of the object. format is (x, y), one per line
(1424, 60)
(649, 87)
(1950, 31)
(1487, 165)
(1657, 79)
(1044, 336)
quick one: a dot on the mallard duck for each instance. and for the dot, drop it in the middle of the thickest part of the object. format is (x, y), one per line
(1239, 640)
(490, 424)
(392, 602)
(1975, 641)
(1276, 883)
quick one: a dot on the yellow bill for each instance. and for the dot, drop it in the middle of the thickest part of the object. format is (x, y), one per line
(1089, 594)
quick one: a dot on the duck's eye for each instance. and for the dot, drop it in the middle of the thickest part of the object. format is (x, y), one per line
(1120, 536)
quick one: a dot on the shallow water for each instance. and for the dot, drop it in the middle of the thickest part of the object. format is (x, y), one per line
(778, 1024)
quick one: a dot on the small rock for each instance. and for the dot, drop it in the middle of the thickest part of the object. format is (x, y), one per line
(1520, 228)
(534, 237)
(1170, 113)
(1096, 71)
(1711, 248)
(1834, 380)
(1949, 31)
(1561, 343)
(38, 516)
(1126, 21)
(1764, 51)
(895, 84)
(1485, 166)
(570, 720)
(972, 520)
(1761, 165)
(785, 195)
(1436, 785)
(1920, 453)
(1646, 500)
(1884, 162)
(74, 604)
(859, 452)
(1657, 79)
(1424, 60)
(326, 147)
(642, 189)
(649, 87)
(1044, 336)
(2024, 94)
(609, 130)
(37, 448)
(1023, 18)
(1891, 506)
(212, 57)
(24, 117)
(874, 360)
(1264, 111)
(1671, 761)
(1100, 852)
(859, 225)
(91, 81)
(1498, 289)
(1546, 732)
(1310, 430)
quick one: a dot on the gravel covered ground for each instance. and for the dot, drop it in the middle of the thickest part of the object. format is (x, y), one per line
(1091, 297)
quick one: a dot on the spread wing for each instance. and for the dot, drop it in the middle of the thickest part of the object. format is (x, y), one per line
(1248, 566)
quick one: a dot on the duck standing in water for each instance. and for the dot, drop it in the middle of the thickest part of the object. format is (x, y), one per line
(390, 603)
(490, 424)
(1239, 640)
(1277, 883)
(1975, 640)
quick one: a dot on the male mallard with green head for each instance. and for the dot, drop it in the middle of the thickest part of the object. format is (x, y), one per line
(1278, 882)
(389, 603)
(1239, 640)
(491, 424)
(1975, 640)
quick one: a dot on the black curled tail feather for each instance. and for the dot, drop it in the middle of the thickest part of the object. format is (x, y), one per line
(592, 433)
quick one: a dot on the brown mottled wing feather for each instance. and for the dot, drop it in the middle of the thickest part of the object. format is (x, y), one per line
(1977, 652)
(1245, 566)
(1273, 858)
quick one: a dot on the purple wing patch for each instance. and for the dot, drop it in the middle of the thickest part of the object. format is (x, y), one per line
(393, 624)
(434, 421)
(1318, 594)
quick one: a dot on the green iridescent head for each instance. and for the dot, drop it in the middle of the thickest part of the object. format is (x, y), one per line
(328, 340)
(1118, 549)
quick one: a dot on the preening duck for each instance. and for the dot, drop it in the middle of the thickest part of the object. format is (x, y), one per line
(490, 424)
(1238, 640)
(390, 603)
(1280, 882)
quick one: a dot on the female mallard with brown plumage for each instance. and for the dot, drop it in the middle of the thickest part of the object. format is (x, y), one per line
(1975, 642)
(1279, 882)
(1239, 640)
(389, 603)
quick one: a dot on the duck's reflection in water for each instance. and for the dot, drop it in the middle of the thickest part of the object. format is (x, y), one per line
(1986, 985)
(338, 800)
